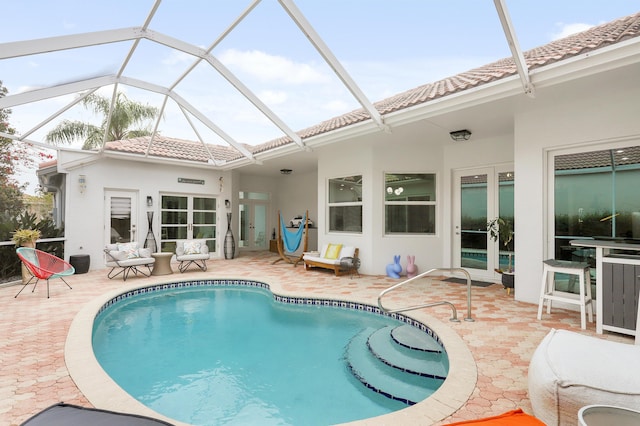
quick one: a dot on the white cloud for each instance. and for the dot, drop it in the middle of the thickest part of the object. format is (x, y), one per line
(565, 30)
(335, 107)
(177, 57)
(273, 97)
(265, 67)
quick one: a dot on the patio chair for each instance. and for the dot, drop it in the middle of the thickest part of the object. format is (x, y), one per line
(192, 251)
(126, 258)
(42, 265)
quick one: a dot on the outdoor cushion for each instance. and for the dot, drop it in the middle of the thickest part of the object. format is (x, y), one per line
(333, 251)
(131, 249)
(569, 370)
(191, 247)
(73, 415)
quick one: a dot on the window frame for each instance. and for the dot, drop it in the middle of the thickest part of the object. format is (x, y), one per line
(357, 203)
(407, 203)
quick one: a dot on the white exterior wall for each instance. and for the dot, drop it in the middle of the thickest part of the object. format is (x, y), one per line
(291, 194)
(585, 115)
(86, 213)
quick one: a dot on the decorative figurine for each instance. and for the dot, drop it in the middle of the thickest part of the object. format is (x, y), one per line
(394, 269)
(412, 269)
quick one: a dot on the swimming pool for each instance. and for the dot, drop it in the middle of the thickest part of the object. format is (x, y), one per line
(101, 391)
(246, 370)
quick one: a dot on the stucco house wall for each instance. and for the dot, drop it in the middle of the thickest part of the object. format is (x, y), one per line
(87, 214)
(585, 114)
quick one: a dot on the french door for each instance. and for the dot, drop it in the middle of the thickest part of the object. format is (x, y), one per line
(121, 214)
(252, 213)
(480, 196)
(187, 217)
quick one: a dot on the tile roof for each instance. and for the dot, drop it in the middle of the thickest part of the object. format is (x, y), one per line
(629, 156)
(595, 38)
(166, 147)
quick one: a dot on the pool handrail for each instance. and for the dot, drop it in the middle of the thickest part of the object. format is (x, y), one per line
(454, 313)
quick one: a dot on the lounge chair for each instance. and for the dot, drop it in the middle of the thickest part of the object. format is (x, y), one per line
(43, 266)
(126, 258)
(192, 251)
(62, 414)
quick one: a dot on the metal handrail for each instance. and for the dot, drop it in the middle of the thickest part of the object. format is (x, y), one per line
(428, 305)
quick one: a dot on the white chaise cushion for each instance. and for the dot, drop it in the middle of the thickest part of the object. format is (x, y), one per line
(346, 251)
(570, 370)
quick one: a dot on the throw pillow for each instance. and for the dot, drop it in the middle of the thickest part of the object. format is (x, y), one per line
(191, 247)
(333, 251)
(131, 249)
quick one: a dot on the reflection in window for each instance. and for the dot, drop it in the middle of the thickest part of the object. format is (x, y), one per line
(345, 204)
(596, 195)
(410, 203)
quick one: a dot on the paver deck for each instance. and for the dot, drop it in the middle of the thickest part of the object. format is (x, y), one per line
(33, 373)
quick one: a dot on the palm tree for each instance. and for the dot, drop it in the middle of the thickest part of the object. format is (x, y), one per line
(126, 114)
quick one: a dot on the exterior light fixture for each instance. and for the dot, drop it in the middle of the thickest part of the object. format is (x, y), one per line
(227, 204)
(149, 201)
(82, 183)
(460, 135)
(286, 171)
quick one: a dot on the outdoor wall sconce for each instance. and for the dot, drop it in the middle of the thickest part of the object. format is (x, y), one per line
(149, 201)
(286, 171)
(460, 135)
(227, 204)
(82, 183)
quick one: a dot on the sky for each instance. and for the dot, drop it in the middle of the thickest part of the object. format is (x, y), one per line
(386, 47)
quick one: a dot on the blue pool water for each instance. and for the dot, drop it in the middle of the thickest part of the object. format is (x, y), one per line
(234, 355)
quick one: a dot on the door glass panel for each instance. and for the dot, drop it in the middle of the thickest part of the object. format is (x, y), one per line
(243, 238)
(120, 220)
(174, 217)
(174, 202)
(204, 218)
(473, 221)
(260, 226)
(204, 203)
(506, 213)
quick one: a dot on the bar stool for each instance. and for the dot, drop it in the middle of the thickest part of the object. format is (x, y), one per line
(549, 293)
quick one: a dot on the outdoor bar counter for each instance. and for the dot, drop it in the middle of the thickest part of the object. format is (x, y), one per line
(617, 284)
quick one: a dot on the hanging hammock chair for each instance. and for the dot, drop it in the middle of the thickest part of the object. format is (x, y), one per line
(289, 241)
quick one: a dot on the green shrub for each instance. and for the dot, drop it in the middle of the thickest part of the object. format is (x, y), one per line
(9, 262)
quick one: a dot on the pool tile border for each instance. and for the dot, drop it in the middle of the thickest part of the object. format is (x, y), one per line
(292, 300)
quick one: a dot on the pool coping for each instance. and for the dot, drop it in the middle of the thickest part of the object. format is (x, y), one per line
(103, 392)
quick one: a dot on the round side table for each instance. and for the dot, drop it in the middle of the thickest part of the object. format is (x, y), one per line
(605, 415)
(162, 265)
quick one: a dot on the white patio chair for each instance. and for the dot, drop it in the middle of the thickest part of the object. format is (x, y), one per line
(192, 251)
(126, 258)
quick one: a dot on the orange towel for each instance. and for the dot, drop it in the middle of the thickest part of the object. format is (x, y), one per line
(510, 418)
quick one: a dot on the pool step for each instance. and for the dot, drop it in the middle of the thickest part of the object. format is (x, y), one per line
(395, 371)
(415, 361)
(412, 338)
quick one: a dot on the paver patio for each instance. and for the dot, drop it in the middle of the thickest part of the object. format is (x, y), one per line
(33, 373)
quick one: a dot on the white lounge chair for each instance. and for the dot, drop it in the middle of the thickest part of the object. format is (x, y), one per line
(192, 251)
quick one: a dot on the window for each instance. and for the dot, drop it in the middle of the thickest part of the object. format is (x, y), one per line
(410, 203)
(345, 204)
(596, 195)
